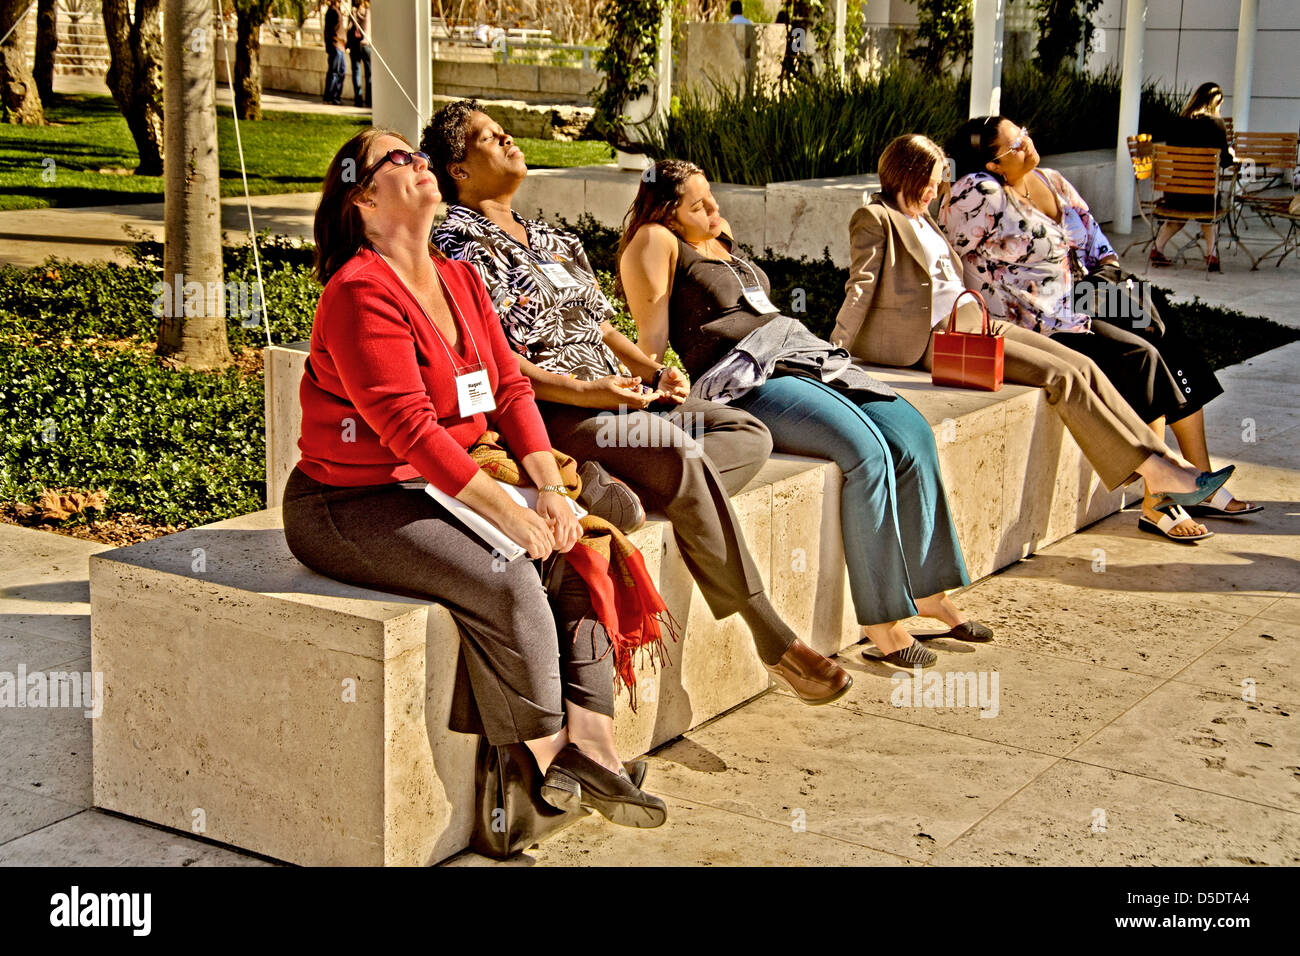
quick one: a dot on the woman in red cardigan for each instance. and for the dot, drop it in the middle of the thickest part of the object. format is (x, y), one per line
(408, 367)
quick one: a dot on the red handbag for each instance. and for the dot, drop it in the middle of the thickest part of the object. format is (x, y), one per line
(967, 359)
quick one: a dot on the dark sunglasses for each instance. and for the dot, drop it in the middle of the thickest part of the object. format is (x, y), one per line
(398, 157)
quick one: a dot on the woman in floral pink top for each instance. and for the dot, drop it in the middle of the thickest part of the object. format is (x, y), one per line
(1030, 246)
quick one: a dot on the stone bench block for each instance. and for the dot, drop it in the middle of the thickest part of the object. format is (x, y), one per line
(259, 704)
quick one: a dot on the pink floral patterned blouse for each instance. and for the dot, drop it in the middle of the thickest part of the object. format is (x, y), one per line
(1017, 256)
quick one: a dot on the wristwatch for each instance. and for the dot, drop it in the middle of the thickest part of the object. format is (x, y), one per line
(659, 373)
(557, 489)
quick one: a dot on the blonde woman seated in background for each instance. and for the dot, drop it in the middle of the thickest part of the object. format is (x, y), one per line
(903, 282)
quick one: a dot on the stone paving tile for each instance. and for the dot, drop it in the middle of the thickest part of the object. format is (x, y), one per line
(21, 812)
(694, 835)
(1078, 815)
(34, 651)
(1238, 571)
(1205, 739)
(1286, 610)
(46, 750)
(884, 784)
(94, 838)
(1042, 703)
(1031, 611)
(1266, 653)
(69, 623)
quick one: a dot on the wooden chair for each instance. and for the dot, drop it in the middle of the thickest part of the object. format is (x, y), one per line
(1190, 170)
(1282, 215)
(1266, 151)
(1141, 152)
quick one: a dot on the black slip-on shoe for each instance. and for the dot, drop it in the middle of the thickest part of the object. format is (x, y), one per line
(573, 779)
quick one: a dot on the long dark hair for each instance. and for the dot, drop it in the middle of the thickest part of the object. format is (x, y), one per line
(1202, 101)
(656, 201)
(338, 229)
(973, 144)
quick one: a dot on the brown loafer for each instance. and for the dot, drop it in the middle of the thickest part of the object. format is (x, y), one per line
(813, 678)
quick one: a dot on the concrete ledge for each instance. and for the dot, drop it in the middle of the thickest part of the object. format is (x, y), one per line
(806, 217)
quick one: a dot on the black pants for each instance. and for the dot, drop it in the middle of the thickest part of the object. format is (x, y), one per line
(521, 660)
(1153, 365)
(686, 463)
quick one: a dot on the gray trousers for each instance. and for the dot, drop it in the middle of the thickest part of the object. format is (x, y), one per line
(521, 660)
(690, 483)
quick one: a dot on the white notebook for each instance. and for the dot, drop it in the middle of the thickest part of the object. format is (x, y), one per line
(502, 545)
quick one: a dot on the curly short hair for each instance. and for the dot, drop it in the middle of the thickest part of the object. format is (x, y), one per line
(444, 141)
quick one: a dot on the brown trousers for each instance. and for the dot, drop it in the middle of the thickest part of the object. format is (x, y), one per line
(1110, 434)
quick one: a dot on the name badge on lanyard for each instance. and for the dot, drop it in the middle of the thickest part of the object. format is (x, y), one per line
(474, 391)
(558, 275)
(752, 290)
(757, 299)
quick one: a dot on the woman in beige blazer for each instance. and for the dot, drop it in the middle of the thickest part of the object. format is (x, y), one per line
(904, 280)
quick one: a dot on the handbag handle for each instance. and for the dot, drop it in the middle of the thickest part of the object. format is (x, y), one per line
(984, 310)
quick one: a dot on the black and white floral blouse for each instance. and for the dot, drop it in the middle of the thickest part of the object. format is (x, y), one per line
(1018, 257)
(555, 325)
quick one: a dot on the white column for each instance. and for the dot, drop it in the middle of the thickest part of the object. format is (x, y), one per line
(400, 34)
(840, 14)
(656, 102)
(1244, 77)
(986, 59)
(1130, 101)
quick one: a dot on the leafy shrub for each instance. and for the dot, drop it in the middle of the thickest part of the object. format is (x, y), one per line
(173, 446)
(823, 126)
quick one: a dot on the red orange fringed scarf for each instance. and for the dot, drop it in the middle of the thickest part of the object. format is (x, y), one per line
(624, 599)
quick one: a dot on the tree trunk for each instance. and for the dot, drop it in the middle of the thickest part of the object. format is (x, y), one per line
(19, 100)
(193, 329)
(135, 75)
(47, 42)
(248, 62)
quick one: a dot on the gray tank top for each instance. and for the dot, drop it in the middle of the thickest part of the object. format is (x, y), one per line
(707, 315)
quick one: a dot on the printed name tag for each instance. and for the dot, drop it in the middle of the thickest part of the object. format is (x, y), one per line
(558, 275)
(757, 299)
(474, 392)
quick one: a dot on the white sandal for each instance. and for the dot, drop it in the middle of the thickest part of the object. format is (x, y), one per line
(1216, 506)
(1171, 515)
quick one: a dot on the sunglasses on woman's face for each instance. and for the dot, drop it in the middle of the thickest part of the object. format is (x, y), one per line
(398, 157)
(1017, 144)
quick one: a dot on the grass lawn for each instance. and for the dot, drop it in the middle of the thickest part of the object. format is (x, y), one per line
(285, 153)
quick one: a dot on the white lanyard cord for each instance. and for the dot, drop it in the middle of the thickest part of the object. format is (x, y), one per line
(736, 273)
(454, 304)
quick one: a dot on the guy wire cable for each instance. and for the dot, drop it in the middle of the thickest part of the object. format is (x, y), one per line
(243, 172)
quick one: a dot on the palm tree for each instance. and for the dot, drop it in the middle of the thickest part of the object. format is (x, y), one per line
(193, 330)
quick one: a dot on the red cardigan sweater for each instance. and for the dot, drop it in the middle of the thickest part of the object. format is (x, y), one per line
(379, 400)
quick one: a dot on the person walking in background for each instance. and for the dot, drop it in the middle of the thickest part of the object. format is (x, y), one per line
(334, 49)
(737, 11)
(359, 50)
(1199, 124)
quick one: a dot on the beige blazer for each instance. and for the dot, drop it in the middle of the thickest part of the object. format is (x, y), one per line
(885, 318)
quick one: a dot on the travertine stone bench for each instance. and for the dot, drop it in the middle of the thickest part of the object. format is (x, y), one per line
(263, 705)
